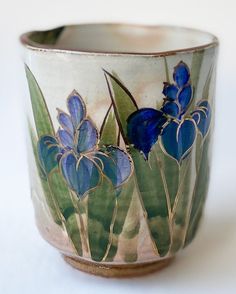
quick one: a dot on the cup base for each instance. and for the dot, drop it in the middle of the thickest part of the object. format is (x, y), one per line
(115, 270)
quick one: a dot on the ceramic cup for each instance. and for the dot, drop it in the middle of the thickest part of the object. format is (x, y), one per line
(120, 119)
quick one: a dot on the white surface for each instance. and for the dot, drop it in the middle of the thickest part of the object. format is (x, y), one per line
(27, 263)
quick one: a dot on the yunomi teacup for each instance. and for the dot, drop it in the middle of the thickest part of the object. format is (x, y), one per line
(120, 125)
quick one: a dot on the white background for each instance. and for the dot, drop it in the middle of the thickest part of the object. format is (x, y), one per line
(27, 263)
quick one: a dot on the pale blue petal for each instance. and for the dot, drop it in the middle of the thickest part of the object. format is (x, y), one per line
(68, 167)
(65, 139)
(87, 136)
(65, 122)
(76, 108)
(88, 176)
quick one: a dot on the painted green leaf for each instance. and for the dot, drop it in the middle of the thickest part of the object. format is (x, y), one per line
(182, 202)
(101, 208)
(48, 195)
(195, 68)
(61, 193)
(153, 195)
(123, 102)
(210, 76)
(149, 178)
(108, 133)
(200, 192)
(122, 208)
(205, 92)
(64, 201)
(42, 118)
(198, 153)
(195, 73)
(130, 233)
(71, 225)
(171, 171)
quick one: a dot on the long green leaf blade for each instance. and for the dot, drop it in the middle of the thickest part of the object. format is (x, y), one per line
(123, 102)
(206, 89)
(42, 118)
(71, 225)
(153, 195)
(101, 208)
(64, 201)
(181, 205)
(171, 170)
(195, 69)
(196, 64)
(108, 133)
(123, 204)
(200, 192)
(130, 234)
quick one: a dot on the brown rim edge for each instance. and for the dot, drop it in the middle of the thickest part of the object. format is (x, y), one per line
(31, 45)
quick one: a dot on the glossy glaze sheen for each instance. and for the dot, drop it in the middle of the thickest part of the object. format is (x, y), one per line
(121, 143)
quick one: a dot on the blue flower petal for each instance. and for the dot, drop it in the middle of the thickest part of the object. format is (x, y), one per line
(171, 108)
(202, 116)
(88, 175)
(108, 167)
(48, 149)
(170, 91)
(143, 128)
(65, 121)
(115, 164)
(65, 139)
(196, 116)
(68, 164)
(181, 74)
(122, 161)
(184, 97)
(178, 138)
(204, 103)
(76, 108)
(81, 174)
(87, 136)
(204, 123)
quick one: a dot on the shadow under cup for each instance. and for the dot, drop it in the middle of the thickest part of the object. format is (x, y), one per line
(120, 120)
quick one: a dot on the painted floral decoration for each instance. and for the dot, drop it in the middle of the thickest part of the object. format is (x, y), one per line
(202, 117)
(75, 149)
(176, 127)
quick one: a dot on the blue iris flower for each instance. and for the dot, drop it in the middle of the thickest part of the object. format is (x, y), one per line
(178, 95)
(75, 147)
(177, 130)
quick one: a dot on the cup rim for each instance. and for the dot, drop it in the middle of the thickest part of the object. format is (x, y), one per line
(35, 46)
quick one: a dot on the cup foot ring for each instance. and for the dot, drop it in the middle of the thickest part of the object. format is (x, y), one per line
(117, 270)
